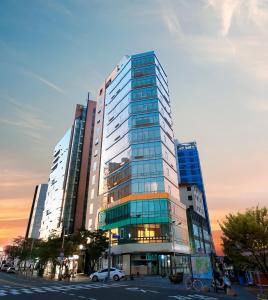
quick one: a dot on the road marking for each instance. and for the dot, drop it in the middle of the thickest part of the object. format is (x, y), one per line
(195, 296)
(26, 291)
(136, 289)
(64, 289)
(14, 292)
(38, 290)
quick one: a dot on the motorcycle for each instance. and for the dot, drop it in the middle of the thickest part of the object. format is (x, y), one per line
(221, 283)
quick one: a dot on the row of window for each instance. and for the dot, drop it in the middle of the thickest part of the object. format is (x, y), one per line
(135, 186)
(142, 233)
(143, 82)
(185, 160)
(143, 71)
(150, 150)
(136, 169)
(141, 135)
(138, 209)
(142, 61)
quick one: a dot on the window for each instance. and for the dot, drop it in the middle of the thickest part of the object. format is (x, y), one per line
(96, 152)
(121, 233)
(96, 141)
(104, 270)
(190, 197)
(93, 179)
(95, 165)
(91, 208)
(92, 194)
(189, 188)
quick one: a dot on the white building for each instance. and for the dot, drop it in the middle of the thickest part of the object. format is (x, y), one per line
(51, 220)
(190, 195)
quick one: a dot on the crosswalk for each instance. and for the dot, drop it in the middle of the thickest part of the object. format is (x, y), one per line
(7, 290)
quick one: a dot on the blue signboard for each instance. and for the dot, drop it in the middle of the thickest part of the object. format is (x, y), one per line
(201, 266)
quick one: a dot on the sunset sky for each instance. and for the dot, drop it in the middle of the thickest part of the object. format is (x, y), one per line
(215, 53)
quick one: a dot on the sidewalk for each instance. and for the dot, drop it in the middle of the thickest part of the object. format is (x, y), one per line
(156, 281)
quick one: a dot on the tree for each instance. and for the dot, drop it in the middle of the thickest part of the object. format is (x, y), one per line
(245, 238)
(50, 250)
(21, 248)
(94, 244)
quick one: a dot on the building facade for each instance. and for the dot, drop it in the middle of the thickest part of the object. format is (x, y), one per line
(35, 218)
(133, 188)
(190, 172)
(192, 197)
(51, 219)
(78, 171)
(66, 200)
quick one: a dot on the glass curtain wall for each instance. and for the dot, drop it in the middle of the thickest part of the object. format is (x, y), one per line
(138, 152)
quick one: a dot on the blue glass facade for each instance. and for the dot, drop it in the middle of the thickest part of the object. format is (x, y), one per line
(189, 170)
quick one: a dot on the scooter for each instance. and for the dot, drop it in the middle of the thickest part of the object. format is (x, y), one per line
(217, 285)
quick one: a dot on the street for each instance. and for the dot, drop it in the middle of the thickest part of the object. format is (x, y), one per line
(14, 286)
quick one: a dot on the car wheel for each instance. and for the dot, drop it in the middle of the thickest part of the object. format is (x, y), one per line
(116, 278)
(94, 278)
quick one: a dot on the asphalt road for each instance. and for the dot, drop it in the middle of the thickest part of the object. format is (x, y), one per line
(19, 287)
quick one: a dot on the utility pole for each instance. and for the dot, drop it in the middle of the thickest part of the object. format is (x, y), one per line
(62, 254)
(109, 255)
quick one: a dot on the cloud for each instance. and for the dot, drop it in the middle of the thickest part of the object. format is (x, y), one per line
(240, 42)
(171, 19)
(25, 118)
(225, 9)
(43, 80)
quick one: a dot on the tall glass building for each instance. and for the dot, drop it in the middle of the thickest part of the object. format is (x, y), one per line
(51, 219)
(66, 199)
(133, 189)
(36, 213)
(190, 172)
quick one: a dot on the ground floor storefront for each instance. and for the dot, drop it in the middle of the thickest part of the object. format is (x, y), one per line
(150, 263)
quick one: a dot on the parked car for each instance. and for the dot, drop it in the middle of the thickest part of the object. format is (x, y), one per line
(4, 267)
(11, 270)
(115, 274)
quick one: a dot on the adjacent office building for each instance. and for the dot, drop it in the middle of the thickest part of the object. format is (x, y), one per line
(51, 220)
(133, 188)
(36, 213)
(192, 197)
(66, 199)
(189, 172)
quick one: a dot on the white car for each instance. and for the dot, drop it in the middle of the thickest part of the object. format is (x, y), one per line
(11, 270)
(5, 267)
(115, 274)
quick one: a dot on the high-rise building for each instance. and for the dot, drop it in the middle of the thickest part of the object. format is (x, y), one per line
(77, 176)
(36, 213)
(66, 200)
(189, 171)
(133, 188)
(192, 197)
(51, 220)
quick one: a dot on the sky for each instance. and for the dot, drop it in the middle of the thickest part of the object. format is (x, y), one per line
(215, 53)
